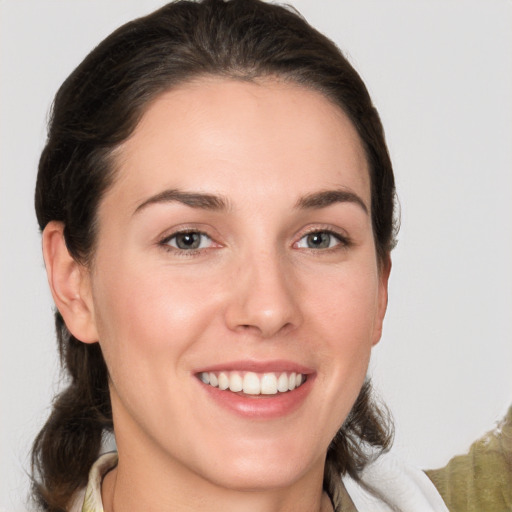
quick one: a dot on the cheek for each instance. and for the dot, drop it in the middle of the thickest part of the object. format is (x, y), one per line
(149, 318)
(343, 317)
(150, 324)
(344, 302)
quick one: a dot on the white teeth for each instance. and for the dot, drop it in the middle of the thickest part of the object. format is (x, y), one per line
(269, 384)
(223, 381)
(282, 383)
(291, 381)
(213, 379)
(235, 382)
(252, 383)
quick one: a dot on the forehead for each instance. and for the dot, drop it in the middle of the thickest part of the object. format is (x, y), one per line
(227, 136)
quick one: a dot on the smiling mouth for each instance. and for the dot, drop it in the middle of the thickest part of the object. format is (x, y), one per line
(252, 383)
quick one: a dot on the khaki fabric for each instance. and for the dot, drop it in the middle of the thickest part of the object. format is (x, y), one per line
(481, 480)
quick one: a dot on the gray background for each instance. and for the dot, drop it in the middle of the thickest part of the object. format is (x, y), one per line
(440, 73)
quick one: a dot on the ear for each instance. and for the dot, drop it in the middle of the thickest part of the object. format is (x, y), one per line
(382, 299)
(70, 284)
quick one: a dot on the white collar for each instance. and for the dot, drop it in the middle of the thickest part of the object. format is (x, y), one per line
(390, 485)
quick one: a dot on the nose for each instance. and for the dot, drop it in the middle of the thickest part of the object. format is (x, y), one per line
(264, 299)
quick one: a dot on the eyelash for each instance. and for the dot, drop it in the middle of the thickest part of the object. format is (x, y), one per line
(343, 242)
(165, 243)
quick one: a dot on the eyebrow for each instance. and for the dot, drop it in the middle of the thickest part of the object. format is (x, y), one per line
(192, 199)
(326, 198)
(205, 201)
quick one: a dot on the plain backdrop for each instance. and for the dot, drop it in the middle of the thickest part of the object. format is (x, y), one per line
(440, 73)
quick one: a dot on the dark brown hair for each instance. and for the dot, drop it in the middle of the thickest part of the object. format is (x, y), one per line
(98, 107)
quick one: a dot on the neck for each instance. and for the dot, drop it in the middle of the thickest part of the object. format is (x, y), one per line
(141, 483)
(116, 496)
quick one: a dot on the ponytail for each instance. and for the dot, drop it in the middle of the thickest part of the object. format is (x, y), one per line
(70, 441)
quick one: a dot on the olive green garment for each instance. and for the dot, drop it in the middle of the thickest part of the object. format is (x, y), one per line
(481, 480)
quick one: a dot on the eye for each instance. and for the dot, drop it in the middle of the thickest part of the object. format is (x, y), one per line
(188, 241)
(319, 240)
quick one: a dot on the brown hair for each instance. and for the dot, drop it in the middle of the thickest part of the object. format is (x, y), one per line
(98, 107)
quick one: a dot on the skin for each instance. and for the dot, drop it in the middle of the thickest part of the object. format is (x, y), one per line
(255, 290)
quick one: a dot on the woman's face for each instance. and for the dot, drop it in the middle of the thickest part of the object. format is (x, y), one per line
(236, 247)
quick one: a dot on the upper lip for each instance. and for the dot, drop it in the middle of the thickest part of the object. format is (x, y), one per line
(258, 367)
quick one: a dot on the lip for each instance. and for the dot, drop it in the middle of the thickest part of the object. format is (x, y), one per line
(263, 407)
(258, 367)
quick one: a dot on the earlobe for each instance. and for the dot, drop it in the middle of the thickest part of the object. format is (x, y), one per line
(382, 299)
(70, 284)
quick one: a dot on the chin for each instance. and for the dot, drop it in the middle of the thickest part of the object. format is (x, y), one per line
(263, 470)
(259, 479)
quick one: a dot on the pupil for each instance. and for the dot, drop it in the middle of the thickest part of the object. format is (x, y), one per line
(317, 240)
(188, 241)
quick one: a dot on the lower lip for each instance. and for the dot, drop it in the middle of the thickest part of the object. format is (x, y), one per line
(261, 406)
